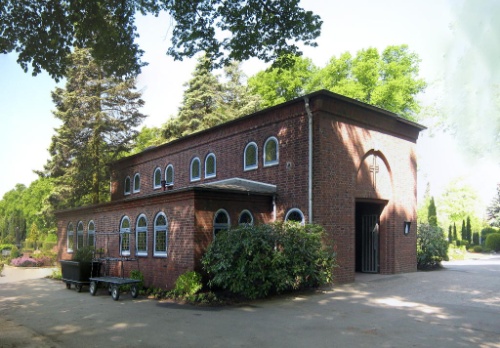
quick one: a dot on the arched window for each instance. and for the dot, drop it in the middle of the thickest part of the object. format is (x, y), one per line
(271, 152)
(195, 170)
(169, 175)
(125, 236)
(157, 179)
(295, 215)
(126, 189)
(221, 221)
(141, 236)
(79, 235)
(210, 166)
(137, 183)
(250, 156)
(246, 218)
(91, 234)
(70, 238)
(161, 235)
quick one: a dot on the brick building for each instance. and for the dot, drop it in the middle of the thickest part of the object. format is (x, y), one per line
(323, 158)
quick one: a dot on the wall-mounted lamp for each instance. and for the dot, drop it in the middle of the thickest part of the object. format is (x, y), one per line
(407, 226)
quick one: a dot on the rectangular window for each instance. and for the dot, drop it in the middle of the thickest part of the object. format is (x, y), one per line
(161, 243)
(141, 243)
(125, 244)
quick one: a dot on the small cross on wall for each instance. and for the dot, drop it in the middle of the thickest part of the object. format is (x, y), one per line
(374, 170)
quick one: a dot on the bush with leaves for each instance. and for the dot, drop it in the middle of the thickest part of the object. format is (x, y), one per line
(256, 261)
(188, 284)
(432, 246)
(493, 241)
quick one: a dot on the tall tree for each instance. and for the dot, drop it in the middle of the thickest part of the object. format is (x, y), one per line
(432, 213)
(98, 114)
(455, 235)
(493, 210)
(44, 32)
(388, 80)
(200, 105)
(463, 232)
(450, 234)
(468, 229)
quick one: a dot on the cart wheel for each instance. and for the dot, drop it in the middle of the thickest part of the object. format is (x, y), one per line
(115, 293)
(93, 288)
(133, 291)
(68, 285)
(110, 289)
(78, 287)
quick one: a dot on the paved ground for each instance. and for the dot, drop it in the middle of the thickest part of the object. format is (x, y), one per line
(455, 307)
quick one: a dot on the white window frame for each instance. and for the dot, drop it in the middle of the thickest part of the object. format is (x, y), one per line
(137, 189)
(124, 231)
(253, 166)
(157, 185)
(91, 232)
(141, 229)
(220, 226)
(296, 210)
(70, 238)
(214, 174)
(125, 191)
(273, 162)
(245, 211)
(195, 178)
(79, 235)
(167, 182)
(162, 228)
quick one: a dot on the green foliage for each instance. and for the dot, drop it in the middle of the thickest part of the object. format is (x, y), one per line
(83, 254)
(486, 231)
(188, 284)
(456, 252)
(493, 241)
(6, 246)
(99, 114)
(475, 238)
(255, 261)
(44, 33)
(432, 247)
(14, 252)
(477, 249)
(432, 213)
(493, 210)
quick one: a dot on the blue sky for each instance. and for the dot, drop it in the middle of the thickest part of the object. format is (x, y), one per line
(456, 41)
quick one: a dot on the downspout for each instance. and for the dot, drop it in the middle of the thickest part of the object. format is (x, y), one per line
(310, 162)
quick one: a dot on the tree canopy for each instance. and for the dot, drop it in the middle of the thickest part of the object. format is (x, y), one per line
(43, 33)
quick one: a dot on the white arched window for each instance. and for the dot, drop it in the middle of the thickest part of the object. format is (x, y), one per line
(125, 236)
(250, 156)
(221, 221)
(141, 236)
(245, 219)
(169, 175)
(161, 235)
(91, 234)
(79, 235)
(210, 166)
(295, 215)
(271, 152)
(195, 169)
(126, 189)
(137, 183)
(157, 179)
(70, 238)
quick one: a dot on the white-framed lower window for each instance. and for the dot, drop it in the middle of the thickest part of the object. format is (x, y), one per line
(91, 234)
(250, 156)
(125, 236)
(160, 235)
(221, 221)
(157, 179)
(271, 152)
(195, 169)
(210, 166)
(70, 238)
(141, 236)
(245, 218)
(79, 235)
(295, 215)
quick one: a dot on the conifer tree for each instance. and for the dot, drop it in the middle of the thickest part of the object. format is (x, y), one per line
(432, 213)
(455, 236)
(450, 234)
(493, 210)
(468, 229)
(463, 233)
(98, 114)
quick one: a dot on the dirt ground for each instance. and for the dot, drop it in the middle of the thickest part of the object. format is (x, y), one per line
(458, 306)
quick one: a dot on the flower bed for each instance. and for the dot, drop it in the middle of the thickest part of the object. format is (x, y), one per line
(25, 261)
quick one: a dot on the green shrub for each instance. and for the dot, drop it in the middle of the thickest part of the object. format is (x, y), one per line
(477, 249)
(486, 231)
(475, 238)
(188, 284)
(83, 254)
(432, 247)
(493, 241)
(255, 261)
(6, 246)
(14, 252)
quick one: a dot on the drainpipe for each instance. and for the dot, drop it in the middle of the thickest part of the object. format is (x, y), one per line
(310, 173)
